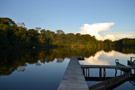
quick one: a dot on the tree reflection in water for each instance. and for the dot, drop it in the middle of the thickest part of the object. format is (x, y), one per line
(11, 60)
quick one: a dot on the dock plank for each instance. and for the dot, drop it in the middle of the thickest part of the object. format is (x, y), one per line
(110, 83)
(107, 66)
(73, 78)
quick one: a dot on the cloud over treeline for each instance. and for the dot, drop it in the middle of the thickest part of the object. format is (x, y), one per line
(97, 28)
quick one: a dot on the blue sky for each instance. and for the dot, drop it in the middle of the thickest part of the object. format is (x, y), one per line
(70, 15)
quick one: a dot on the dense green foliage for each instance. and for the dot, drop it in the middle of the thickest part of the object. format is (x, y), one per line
(126, 42)
(14, 35)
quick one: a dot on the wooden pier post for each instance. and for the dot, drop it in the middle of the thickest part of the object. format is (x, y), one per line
(115, 72)
(104, 72)
(100, 72)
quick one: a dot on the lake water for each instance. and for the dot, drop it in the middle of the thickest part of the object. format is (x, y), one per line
(41, 70)
(108, 58)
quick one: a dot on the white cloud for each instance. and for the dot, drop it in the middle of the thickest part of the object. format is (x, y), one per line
(95, 29)
(124, 35)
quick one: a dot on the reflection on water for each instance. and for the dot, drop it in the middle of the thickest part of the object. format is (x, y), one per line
(20, 69)
(43, 69)
(107, 58)
(94, 76)
(45, 76)
(95, 60)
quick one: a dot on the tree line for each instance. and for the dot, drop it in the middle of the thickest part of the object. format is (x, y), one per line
(11, 59)
(14, 35)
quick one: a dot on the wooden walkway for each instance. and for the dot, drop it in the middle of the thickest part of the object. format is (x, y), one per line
(107, 66)
(102, 69)
(110, 83)
(73, 78)
(105, 78)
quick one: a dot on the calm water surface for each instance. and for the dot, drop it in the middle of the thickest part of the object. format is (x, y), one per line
(44, 72)
(108, 58)
(39, 76)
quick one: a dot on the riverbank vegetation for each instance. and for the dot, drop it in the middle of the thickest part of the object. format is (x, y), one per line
(14, 35)
(19, 45)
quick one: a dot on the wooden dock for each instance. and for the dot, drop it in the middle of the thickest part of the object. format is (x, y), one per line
(73, 78)
(110, 83)
(107, 66)
(105, 78)
(102, 69)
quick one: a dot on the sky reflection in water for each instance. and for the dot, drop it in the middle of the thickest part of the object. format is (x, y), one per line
(47, 75)
(108, 58)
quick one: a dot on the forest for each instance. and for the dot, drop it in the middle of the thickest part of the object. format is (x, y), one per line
(14, 35)
(46, 45)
